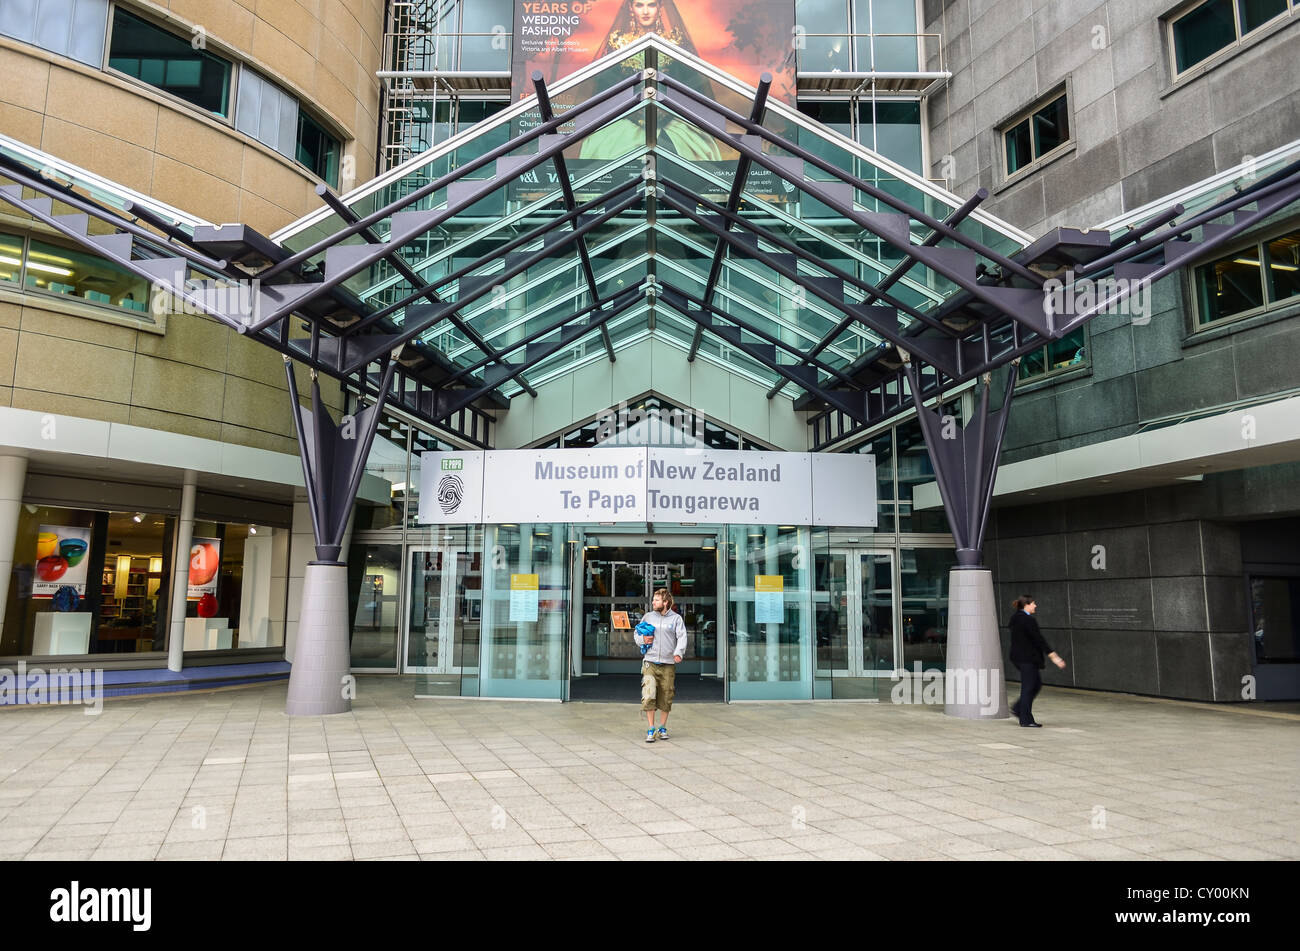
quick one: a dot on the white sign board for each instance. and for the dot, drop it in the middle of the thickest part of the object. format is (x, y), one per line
(769, 599)
(639, 484)
(720, 485)
(564, 485)
(844, 489)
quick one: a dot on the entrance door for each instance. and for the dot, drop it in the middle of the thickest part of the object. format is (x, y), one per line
(854, 599)
(623, 578)
(443, 616)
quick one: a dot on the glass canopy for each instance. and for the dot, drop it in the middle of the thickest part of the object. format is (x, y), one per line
(689, 222)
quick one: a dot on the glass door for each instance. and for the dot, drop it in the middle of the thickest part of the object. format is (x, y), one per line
(374, 596)
(876, 609)
(624, 579)
(855, 614)
(444, 615)
(439, 611)
(615, 579)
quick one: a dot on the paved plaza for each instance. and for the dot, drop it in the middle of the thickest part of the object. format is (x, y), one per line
(226, 775)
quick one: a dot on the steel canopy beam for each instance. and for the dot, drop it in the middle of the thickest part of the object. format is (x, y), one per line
(756, 114)
(345, 213)
(570, 202)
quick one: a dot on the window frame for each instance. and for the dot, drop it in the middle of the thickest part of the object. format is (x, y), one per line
(1027, 116)
(237, 66)
(1049, 372)
(146, 317)
(232, 79)
(1240, 39)
(1259, 245)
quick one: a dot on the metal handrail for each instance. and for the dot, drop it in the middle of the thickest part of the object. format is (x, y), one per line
(117, 195)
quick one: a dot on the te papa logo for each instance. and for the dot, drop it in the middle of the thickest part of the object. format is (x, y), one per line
(451, 488)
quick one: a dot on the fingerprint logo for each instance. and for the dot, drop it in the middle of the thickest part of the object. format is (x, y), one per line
(450, 492)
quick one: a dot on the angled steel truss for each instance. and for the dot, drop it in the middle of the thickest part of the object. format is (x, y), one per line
(999, 308)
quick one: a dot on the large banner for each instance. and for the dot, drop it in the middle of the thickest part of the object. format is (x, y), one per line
(744, 38)
(647, 484)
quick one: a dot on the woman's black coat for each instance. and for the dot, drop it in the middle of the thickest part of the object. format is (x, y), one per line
(1027, 643)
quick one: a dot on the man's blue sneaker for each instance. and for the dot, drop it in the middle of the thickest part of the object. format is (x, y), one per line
(663, 733)
(649, 736)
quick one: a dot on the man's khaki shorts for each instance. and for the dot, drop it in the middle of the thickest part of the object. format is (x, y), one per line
(657, 686)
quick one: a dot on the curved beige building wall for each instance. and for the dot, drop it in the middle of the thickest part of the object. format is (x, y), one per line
(189, 374)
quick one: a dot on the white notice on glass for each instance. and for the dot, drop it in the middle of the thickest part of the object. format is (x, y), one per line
(769, 599)
(523, 597)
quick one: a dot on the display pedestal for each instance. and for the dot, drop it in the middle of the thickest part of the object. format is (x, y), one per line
(207, 633)
(975, 687)
(321, 657)
(60, 632)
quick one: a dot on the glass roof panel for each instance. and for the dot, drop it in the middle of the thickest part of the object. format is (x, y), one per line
(672, 154)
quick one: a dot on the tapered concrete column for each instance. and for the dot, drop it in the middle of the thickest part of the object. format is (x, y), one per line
(301, 548)
(181, 571)
(13, 475)
(321, 657)
(974, 687)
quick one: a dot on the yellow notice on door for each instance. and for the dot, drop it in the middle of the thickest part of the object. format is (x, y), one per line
(620, 620)
(523, 597)
(769, 599)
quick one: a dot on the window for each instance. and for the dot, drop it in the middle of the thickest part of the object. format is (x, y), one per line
(11, 258)
(266, 112)
(275, 118)
(55, 269)
(1215, 25)
(1036, 135)
(1059, 355)
(73, 28)
(88, 582)
(1263, 275)
(168, 62)
(857, 36)
(317, 149)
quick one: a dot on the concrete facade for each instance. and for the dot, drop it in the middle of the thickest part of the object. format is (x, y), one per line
(137, 399)
(1138, 133)
(1169, 613)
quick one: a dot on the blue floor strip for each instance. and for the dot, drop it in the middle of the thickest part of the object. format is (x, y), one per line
(42, 684)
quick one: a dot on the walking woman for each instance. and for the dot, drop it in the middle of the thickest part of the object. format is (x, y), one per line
(1028, 647)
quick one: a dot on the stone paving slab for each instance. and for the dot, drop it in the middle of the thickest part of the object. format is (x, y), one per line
(224, 775)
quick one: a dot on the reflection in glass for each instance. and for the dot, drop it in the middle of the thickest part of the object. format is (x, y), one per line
(374, 574)
(525, 611)
(924, 599)
(445, 612)
(770, 659)
(174, 65)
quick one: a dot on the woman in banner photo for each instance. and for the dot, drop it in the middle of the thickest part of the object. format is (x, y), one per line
(634, 20)
(661, 635)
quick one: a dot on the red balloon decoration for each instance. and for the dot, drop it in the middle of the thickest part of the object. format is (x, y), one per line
(207, 606)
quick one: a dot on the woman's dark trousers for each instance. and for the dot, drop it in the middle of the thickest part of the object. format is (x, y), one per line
(1031, 681)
